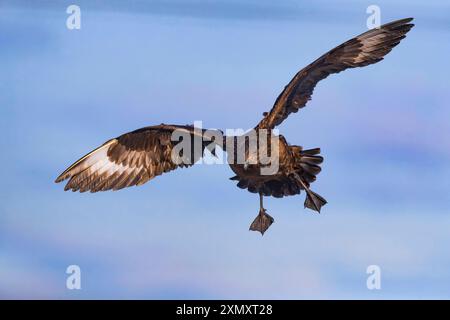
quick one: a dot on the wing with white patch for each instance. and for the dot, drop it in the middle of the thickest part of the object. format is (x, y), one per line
(131, 159)
(367, 48)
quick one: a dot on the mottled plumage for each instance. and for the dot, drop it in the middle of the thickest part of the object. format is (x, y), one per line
(136, 157)
(129, 160)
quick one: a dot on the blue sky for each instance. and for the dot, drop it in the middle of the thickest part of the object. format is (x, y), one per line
(383, 130)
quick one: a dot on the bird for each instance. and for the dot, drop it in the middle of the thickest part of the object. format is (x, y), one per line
(136, 157)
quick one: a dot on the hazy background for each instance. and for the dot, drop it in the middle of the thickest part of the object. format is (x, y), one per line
(384, 132)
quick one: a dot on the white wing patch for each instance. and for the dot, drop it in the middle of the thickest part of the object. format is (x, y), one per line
(96, 172)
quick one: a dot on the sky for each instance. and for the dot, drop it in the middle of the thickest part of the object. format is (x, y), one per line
(383, 130)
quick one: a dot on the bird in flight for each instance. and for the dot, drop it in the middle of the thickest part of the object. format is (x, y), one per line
(136, 157)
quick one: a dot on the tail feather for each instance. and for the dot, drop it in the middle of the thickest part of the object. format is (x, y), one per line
(310, 152)
(311, 159)
(310, 168)
(308, 162)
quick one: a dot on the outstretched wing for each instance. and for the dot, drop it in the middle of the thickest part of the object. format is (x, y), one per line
(367, 48)
(132, 159)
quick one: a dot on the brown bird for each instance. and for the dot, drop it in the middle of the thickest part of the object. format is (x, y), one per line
(138, 156)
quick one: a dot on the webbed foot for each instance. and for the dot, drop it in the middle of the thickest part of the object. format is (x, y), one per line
(262, 222)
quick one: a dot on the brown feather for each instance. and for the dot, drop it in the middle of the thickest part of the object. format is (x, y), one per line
(131, 159)
(367, 48)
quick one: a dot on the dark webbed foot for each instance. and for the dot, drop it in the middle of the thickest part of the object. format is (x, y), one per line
(262, 222)
(314, 201)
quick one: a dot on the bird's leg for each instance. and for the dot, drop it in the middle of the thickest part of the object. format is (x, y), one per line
(261, 202)
(262, 221)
